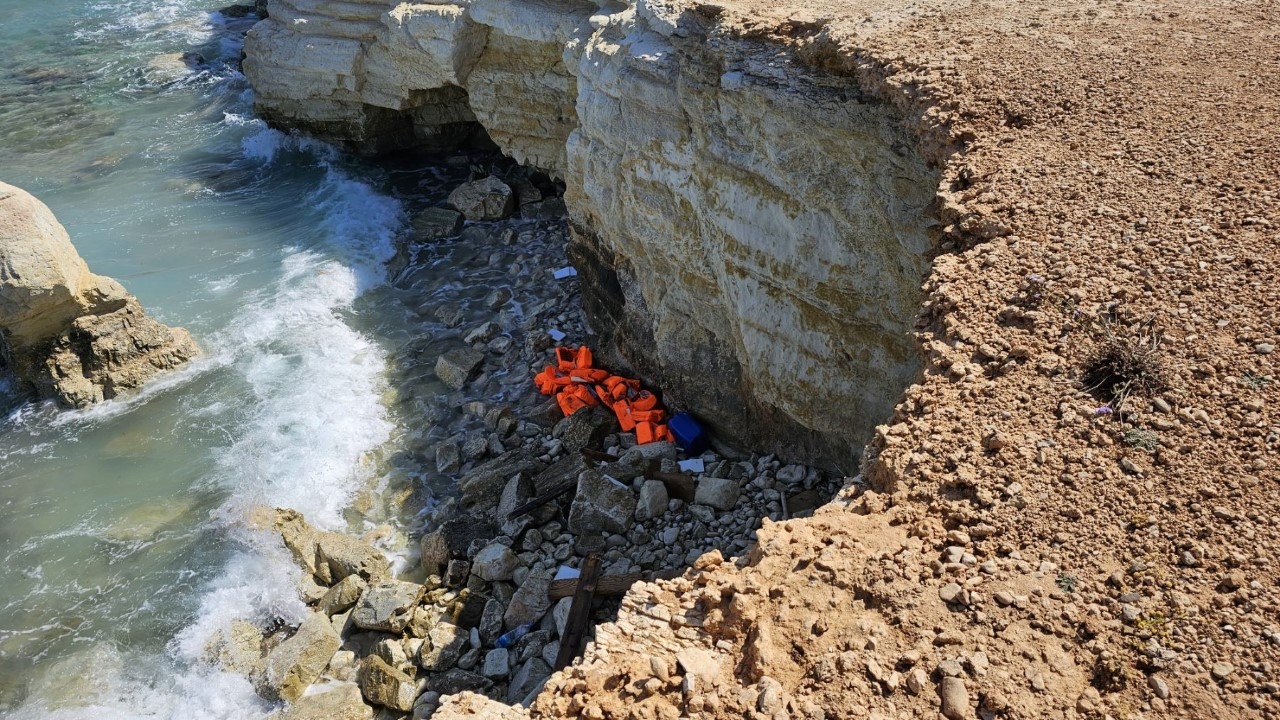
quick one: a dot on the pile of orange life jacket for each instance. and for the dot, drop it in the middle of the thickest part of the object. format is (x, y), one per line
(577, 385)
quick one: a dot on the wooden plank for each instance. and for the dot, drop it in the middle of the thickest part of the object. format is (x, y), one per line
(679, 485)
(609, 584)
(575, 630)
(542, 499)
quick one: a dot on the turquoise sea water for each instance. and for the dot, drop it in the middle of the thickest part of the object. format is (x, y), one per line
(123, 528)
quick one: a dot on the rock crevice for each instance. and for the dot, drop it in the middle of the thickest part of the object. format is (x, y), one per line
(752, 232)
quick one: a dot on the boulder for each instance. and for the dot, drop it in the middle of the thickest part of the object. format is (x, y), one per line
(451, 540)
(445, 644)
(65, 333)
(487, 199)
(491, 621)
(527, 678)
(482, 487)
(330, 556)
(517, 491)
(719, 493)
(653, 500)
(342, 596)
(495, 563)
(587, 429)
(529, 602)
(387, 606)
(333, 701)
(602, 505)
(434, 223)
(384, 685)
(237, 649)
(294, 664)
(456, 367)
(640, 455)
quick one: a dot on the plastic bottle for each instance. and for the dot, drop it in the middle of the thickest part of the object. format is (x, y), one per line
(512, 637)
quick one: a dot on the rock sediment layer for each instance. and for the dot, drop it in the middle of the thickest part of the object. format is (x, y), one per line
(751, 235)
(70, 335)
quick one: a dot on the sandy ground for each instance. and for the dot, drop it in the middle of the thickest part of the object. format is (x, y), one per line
(1032, 547)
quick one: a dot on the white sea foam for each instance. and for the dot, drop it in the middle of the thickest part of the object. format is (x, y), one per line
(304, 439)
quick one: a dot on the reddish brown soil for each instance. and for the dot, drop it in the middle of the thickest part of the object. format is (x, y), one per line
(1111, 174)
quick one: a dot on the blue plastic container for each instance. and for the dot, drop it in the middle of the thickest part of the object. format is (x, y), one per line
(688, 433)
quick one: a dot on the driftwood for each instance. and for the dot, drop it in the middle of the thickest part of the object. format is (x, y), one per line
(542, 499)
(575, 628)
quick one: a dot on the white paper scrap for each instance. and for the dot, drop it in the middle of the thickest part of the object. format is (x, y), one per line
(566, 573)
(693, 465)
(565, 272)
(556, 334)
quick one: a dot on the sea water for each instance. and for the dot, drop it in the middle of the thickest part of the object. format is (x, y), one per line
(125, 529)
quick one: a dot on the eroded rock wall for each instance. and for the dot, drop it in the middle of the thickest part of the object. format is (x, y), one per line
(751, 234)
(756, 234)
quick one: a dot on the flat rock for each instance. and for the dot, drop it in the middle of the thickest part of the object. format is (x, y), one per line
(587, 428)
(653, 500)
(331, 701)
(602, 505)
(435, 223)
(529, 602)
(495, 563)
(329, 556)
(384, 685)
(719, 493)
(294, 664)
(954, 698)
(342, 596)
(387, 606)
(526, 680)
(640, 455)
(456, 367)
(456, 681)
(482, 487)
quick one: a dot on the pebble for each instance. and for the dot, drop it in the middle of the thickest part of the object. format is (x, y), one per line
(955, 698)
(1159, 687)
(1221, 671)
(950, 593)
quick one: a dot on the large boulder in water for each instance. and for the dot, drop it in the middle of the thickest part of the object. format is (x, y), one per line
(65, 333)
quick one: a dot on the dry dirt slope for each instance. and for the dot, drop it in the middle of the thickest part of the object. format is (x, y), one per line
(1111, 175)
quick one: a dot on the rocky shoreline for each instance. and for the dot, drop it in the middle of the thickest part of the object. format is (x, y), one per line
(481, 611)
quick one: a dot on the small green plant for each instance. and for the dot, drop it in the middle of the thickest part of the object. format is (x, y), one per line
(1067, 583)
(1254, 381)
(1142, 439)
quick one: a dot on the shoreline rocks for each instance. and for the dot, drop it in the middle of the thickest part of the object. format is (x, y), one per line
(67, 334)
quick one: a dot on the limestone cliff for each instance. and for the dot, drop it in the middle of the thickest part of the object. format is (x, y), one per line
(751, 234)
(66, 333)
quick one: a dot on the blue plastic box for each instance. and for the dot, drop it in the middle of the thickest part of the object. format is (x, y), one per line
(688, 433)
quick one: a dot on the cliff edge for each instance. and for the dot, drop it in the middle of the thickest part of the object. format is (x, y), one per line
(1071, 423)
(67, 334)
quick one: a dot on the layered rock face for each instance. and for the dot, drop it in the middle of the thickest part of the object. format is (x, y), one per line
(751, 235)
(68, 334)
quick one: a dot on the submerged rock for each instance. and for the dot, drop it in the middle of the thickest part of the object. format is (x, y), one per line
(65, 333)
